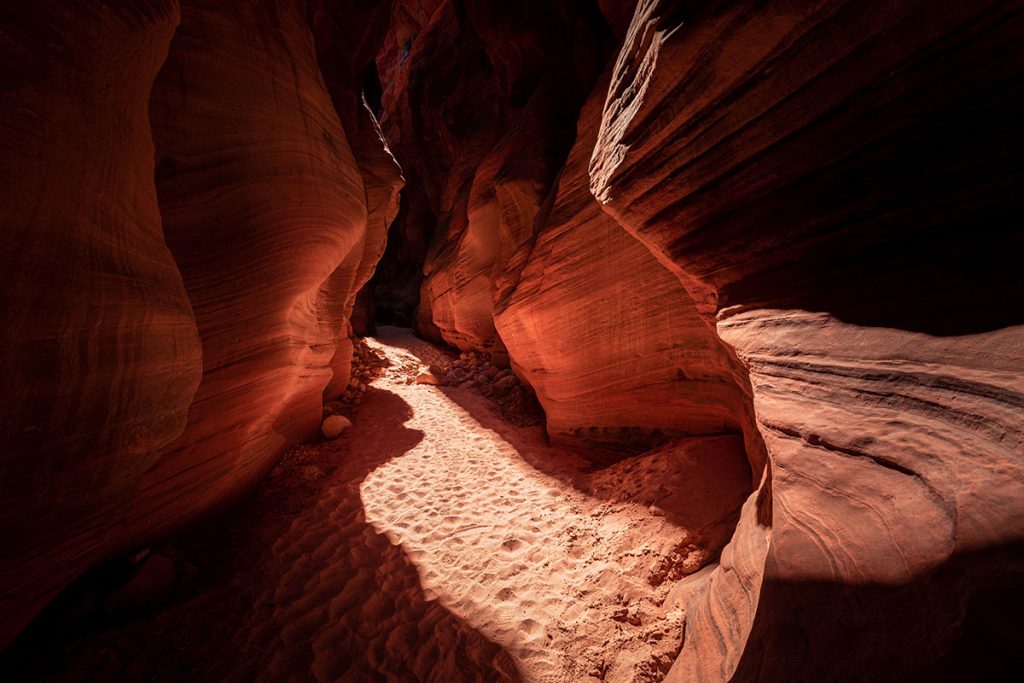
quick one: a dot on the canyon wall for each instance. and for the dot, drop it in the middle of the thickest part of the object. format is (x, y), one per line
(790, 220)
(168, 338)
(823, 171)
(521, 257)
(100, 357)
(603, 332)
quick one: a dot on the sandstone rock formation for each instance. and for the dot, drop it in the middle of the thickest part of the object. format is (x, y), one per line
(273, 221)
(788, 221)
(817, 178)
(630, 337)
(819, 172)
(100, 356)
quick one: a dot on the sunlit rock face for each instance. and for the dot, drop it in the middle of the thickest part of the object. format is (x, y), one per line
(787, 220)
(265, 209)
(823, 171)
(522, 256)
(614, 346)
(480, 106)
(818, 180)
(238, 265)
(100, 355)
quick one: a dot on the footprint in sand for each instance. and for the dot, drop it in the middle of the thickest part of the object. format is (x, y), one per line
(512, 545)
(529, 627)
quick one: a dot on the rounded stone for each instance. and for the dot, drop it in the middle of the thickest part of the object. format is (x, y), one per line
(334, 426)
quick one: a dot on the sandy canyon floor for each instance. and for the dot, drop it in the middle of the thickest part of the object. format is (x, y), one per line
(434, 541)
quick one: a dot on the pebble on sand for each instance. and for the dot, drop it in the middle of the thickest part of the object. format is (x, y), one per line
(334, 426)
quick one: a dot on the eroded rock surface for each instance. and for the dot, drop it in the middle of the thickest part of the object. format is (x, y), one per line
(99, 352)
(786, 221)
(824, 186)
(275, 189)
(816, 177)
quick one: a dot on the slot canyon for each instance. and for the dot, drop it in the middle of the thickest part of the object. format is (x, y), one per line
(512, 340)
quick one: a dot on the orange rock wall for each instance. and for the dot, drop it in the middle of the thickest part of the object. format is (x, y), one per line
(822, 171)
(822, 190)
(100, 355)
(169, 338)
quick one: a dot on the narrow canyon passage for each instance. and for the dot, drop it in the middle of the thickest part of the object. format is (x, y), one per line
(439, 542)
(516, 539)
(706, 363)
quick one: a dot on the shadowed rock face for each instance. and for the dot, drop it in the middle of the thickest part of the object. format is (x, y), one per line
(268, 215)
(100, 355)
(823, 171)
(263, 201)
(823, 182)
(789, 220)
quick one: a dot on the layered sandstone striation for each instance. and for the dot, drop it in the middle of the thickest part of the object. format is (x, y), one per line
(786, 221)
(275, 189)
(603, 332)
(816, 188)
(484, 135)
(521, 255)
(820, 171)
(100, 355)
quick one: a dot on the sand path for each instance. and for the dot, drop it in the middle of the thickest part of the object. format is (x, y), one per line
(435, 542)
(533, 563)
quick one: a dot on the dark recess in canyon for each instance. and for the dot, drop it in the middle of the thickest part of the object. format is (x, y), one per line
(742, 272)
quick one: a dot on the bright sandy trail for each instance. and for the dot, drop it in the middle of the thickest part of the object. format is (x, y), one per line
(435, 542)
(525, 558)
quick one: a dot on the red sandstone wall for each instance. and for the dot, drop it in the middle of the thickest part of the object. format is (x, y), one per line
(788, 218)
(269, 221)
(100, 356)
(821, 180)
(822, 170)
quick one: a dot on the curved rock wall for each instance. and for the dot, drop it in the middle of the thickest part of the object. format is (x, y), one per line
(784, 218)
(272, 218)
(822, 181)
(614, 346)
(822, 171)
(100, 356)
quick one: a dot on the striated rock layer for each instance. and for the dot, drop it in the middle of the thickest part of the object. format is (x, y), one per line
(783, 219)
(821, 179)
(521, 255)
(822, 171)
(265, 210)
(615, 348)
(274, 210)
(483, 136)
(100, 356)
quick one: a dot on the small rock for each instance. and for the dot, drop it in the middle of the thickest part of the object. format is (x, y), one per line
(428, 377)
(620, 614)
(335, 426)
